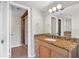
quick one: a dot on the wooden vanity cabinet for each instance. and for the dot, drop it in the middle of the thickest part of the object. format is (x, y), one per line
(46, 50)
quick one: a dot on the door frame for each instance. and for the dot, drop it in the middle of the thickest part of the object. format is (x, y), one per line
(9, 26)
(53, 19)
(1, 38)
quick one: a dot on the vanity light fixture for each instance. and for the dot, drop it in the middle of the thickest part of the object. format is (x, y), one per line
(59, 6)
(50, 10)
(54, 9)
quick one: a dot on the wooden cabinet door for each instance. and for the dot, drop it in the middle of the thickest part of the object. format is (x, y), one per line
(57, 52)
(44, 52)
(55, 55)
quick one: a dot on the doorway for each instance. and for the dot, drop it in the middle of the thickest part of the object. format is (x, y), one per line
(59, 27)
(19, 37)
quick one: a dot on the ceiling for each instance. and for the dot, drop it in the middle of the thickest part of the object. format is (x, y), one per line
(35, 4)
(45, 5)
(18, 11)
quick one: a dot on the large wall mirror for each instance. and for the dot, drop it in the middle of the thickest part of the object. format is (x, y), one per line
(61, 26)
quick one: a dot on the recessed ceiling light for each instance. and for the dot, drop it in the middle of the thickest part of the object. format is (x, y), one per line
(50, 10)
(59, 6)
(54, 8)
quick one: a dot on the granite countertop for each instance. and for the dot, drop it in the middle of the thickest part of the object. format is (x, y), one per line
(61, 43)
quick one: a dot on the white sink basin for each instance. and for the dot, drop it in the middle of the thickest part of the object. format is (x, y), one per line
(50, 39)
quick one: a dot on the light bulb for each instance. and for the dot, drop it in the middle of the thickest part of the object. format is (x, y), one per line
(54, 8)
(59, 6)
(50, 10)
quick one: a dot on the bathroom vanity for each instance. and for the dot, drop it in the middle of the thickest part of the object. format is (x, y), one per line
(47, 46)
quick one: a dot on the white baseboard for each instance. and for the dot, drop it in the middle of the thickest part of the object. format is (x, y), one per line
(15, 46)
(33, 56)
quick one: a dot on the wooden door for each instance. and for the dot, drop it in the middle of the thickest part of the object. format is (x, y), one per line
(23, 27)
(23, 31)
